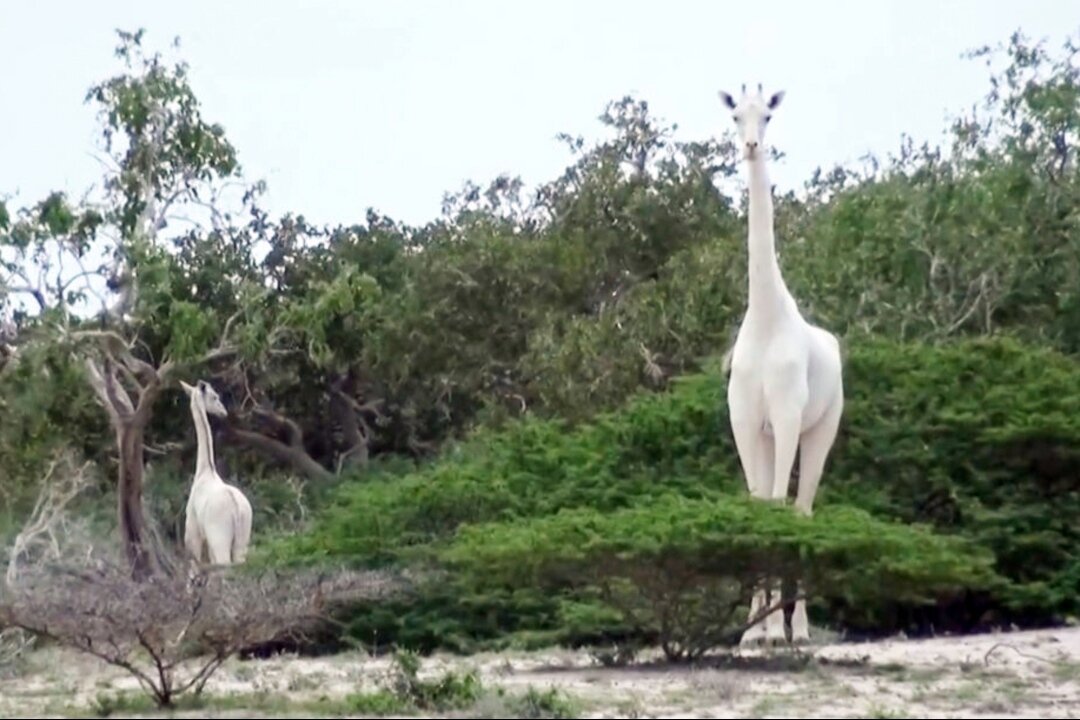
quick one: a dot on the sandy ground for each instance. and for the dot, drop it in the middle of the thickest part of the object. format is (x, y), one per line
(1013, 675)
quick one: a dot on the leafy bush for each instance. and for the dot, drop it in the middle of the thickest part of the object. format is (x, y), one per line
(449, 691)
(980, 438)
(683, 571)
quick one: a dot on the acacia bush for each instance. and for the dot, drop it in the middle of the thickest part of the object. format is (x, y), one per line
(683, 571)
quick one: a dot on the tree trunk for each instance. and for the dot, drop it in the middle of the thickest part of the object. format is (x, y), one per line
(129, 498)
(356, 437)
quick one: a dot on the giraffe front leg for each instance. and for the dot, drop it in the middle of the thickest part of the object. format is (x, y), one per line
(755, 634)
(800, 624)
(775, 630)
(750, 443)
(786, 426)
(786, 394)
(193, 537)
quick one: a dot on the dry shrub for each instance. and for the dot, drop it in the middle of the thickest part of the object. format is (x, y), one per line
(49, 525)
(171, 630)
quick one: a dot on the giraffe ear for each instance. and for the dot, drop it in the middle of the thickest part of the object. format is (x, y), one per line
(775, 100)
(187, 388)
(728, 100)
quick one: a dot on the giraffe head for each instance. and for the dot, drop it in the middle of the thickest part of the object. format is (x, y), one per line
(752, 113)
(206, 396)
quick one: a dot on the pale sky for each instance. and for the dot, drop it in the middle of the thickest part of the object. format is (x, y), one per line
(341, 106)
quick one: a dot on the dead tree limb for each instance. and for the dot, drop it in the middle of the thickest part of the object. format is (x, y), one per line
(289, 450)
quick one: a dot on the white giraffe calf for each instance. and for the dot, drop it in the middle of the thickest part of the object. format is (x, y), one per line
(218, 524)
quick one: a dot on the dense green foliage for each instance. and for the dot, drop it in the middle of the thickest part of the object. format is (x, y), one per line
(535, 467)
(976, 438)
(531, 366)
(980, 437)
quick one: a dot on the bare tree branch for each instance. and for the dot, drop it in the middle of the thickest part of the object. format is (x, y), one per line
(97, 383)
(60, 485)
(118, 399)
(292, 454)
(39, 297)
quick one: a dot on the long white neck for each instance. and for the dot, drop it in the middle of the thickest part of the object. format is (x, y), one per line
(204, 464)
(767, 291)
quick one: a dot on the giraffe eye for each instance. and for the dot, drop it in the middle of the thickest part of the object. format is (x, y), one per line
(768, 118)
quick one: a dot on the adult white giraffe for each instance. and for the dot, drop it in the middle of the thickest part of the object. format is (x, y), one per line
(785, 391)
(218, 524)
